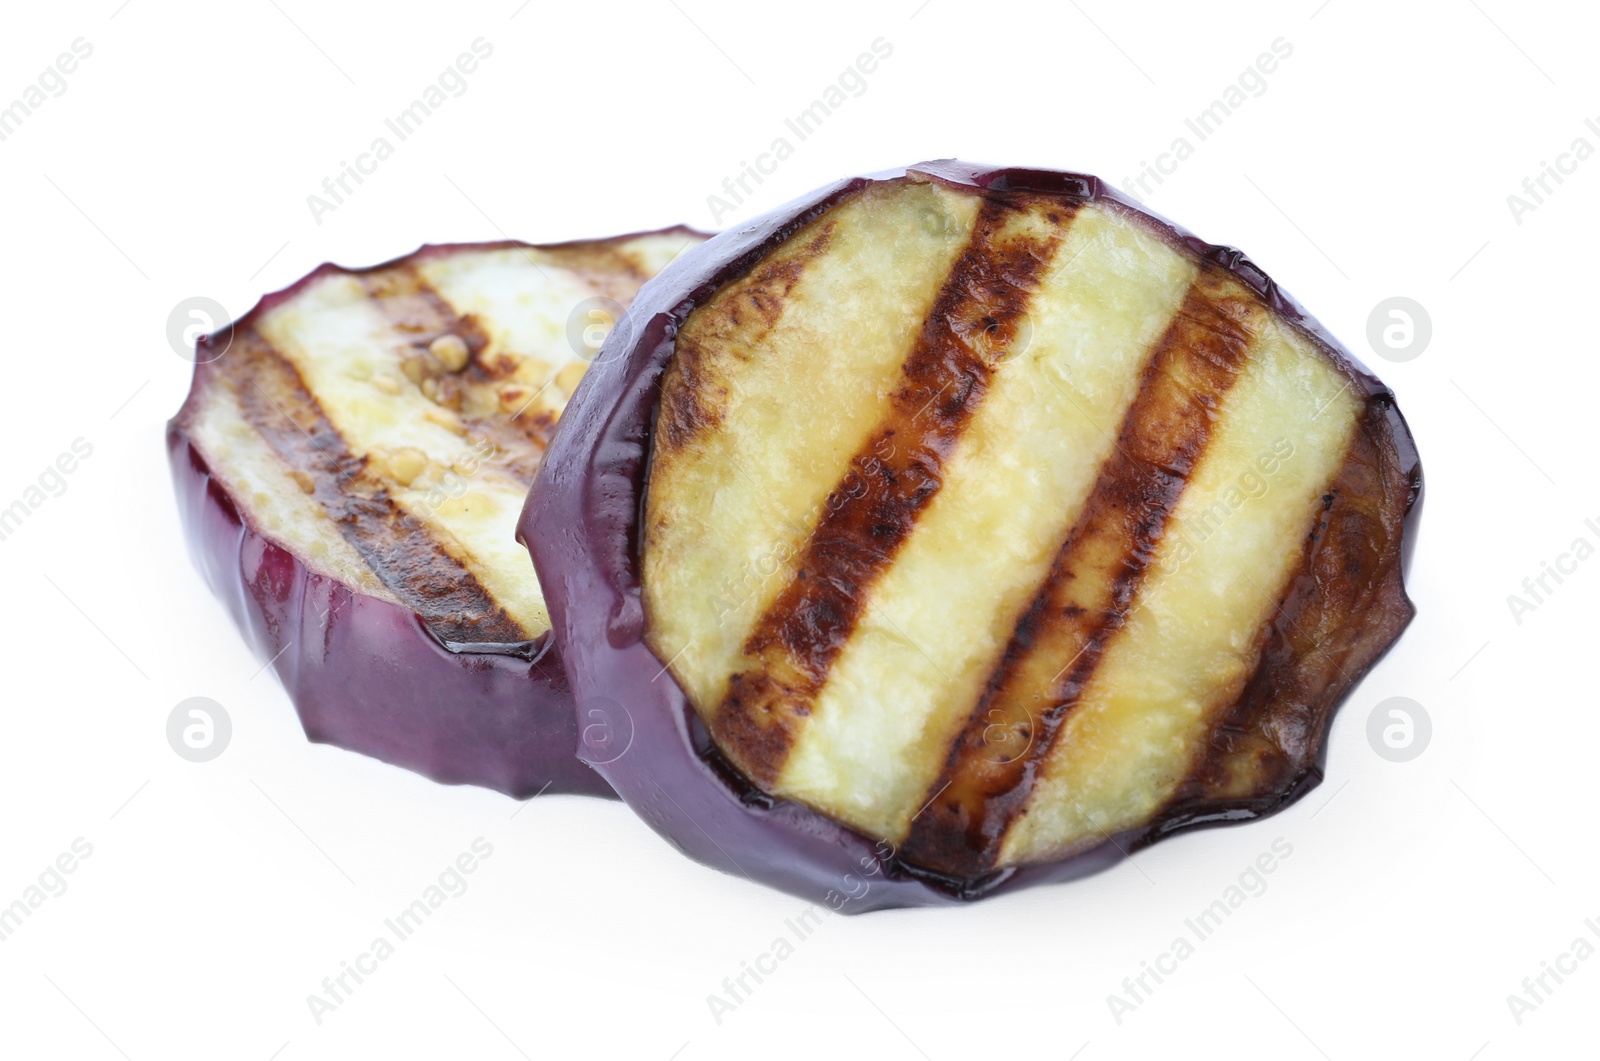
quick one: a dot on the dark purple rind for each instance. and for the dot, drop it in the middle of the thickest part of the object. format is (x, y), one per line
(366, 674)
(581, 525)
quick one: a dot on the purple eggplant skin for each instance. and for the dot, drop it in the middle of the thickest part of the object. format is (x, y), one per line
(366, 674)
(580, 524)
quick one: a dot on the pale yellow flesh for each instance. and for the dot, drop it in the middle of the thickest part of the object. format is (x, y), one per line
(252, 473)
(721, 534)
(526, 297)
(338, 340)
(350, 356)
(520, 297)
(1192, 637)
(803, 398)
(1018, 478)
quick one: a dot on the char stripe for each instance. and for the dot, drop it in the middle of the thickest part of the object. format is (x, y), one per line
(420, 314)
(894, 476)
(1262, 749)
(399, 548)
(1087, 597)
(418, 311)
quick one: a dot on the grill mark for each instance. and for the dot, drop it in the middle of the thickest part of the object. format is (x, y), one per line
(609, 270)
(1329, 625)
(995, 760)
(399, 548)
(421, 315)
(892, 478)
(688, 409)
(418, 311)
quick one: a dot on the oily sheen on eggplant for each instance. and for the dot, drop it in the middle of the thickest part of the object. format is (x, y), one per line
(350, 464)
(959, 529)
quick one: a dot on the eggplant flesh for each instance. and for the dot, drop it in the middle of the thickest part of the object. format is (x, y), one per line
(350, 464)
(987, 526)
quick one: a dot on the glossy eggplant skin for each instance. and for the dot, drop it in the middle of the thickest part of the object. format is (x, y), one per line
(581, 527)
(367, 675)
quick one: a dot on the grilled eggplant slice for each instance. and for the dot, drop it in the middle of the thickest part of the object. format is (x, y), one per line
(350, 464)
(960, 529)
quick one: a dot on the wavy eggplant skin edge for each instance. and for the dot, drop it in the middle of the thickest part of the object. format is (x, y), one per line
(580, 524)
(366, 674)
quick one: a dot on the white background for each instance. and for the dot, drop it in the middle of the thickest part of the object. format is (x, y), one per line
(1376, 163)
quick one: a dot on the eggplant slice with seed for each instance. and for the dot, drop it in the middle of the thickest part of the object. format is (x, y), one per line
(961, 529)
(350, 465)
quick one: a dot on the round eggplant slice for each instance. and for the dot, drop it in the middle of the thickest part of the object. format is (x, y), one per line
(960, 529)
(350, 464)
